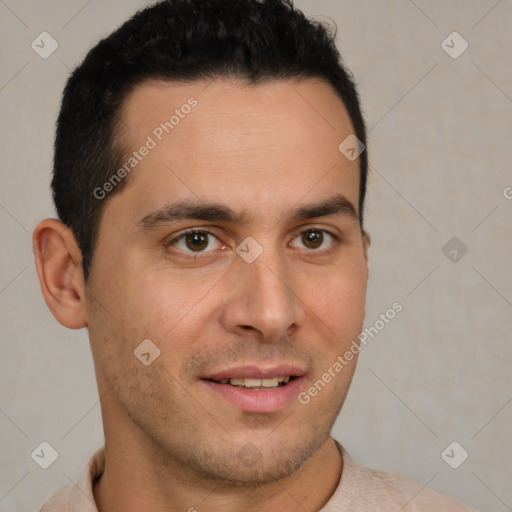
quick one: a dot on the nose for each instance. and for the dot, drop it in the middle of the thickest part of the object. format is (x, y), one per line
(261, 297)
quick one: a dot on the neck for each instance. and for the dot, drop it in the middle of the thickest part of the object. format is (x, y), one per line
(137, 479)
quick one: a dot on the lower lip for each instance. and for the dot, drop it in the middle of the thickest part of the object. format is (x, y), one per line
(258, 400)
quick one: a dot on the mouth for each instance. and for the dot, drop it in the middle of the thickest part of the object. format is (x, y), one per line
(256, 389)
(255, 383)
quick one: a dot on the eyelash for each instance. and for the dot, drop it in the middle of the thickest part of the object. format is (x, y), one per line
(337, 239)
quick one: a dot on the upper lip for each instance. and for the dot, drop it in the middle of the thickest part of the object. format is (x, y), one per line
(257, 372)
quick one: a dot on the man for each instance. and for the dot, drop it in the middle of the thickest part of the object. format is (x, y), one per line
(211, 240)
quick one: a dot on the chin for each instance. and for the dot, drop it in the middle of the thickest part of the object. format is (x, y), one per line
(249, 466)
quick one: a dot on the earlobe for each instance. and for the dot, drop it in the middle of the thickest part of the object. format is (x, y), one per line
(58, 263)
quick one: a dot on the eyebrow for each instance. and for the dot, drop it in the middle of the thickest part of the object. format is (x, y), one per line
(211, 212)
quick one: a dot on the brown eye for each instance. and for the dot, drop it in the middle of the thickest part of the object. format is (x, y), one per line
(315, 239)
(196, 241)
(312, 238)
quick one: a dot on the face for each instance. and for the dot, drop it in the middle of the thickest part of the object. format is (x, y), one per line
(235, 248)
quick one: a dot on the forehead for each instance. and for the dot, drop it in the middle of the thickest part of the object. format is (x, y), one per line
(227, 138)
(224, 104)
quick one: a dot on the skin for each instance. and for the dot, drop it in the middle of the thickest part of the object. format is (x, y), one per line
(171, 443)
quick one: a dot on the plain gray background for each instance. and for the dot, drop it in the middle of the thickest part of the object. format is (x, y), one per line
(440, 149)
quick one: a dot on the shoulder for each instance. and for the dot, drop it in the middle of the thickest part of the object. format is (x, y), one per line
(364, 489)
(409, 495)
(79, 496)
(59, 502)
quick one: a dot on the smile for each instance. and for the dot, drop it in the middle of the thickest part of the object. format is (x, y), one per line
(268, 383)
(257, 389)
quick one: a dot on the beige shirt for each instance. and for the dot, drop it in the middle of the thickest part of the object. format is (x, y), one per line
(360, 490)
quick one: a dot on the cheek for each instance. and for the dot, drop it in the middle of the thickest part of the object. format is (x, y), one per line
(134, 309)
(161, 304)
(337, 297)
(343, 312)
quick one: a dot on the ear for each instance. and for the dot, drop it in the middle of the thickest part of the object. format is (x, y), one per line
(366, 250)
(366, 245)
(59, 266)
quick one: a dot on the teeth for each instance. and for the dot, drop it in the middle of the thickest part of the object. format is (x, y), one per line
(250, 383)
(272, 382)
